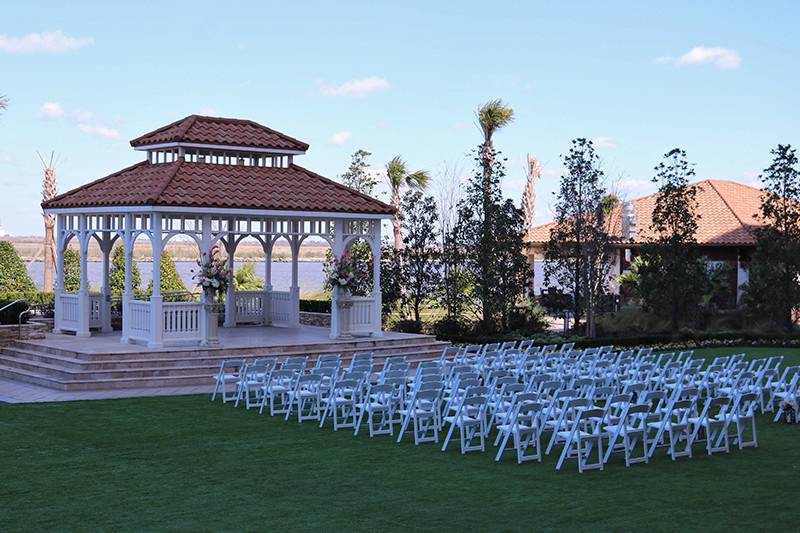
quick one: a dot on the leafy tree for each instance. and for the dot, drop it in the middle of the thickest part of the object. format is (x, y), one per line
(359, 178)
(578, 253)
(170, 279)
(488, 245)
(116, 274)
(357, 175)
(774, 287)
(14, 275)
(392, 279)
(673, 277)
(419, 255)
(245, 279)
(72, 271)
(398, 178)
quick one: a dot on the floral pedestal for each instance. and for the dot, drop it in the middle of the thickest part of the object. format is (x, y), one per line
(344, 304)
(212, 310)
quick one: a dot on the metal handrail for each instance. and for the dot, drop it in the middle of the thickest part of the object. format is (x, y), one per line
(9, 305)
(19, 322)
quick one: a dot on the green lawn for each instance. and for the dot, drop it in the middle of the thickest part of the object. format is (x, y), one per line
(186, 463)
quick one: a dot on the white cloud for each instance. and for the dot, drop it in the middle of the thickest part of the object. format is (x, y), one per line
(605, 143)
(51, 110)
(553, 172)
(82, 115)
(99, 131)
(361, 87)
(722, 58)
(340, 138)
(49, 42)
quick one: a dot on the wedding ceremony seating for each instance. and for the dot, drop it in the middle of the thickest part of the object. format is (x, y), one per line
(580, 406)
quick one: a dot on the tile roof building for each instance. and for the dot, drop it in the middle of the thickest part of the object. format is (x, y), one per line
(215, 181)
(725, 231)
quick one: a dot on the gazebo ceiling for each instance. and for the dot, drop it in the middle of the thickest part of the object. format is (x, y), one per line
(198, 129)
(204, 185)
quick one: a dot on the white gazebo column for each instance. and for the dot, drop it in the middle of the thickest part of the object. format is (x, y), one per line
(267, 303)
(205, 249)
(156, 300)
(84, 303)
(58, 282)
(294, 289)
(127, 290)
(337, 247)
(377, 330)
(105, 290)
(230, 291)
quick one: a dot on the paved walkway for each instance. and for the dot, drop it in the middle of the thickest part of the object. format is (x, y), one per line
(17, 392)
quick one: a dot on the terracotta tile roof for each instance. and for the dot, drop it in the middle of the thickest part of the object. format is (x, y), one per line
(726, 208)
(223, 131)
(183, 184)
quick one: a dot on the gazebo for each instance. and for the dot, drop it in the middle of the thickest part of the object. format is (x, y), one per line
(215, 181)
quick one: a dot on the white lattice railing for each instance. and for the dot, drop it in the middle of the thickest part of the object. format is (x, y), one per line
(138, 320)
(182, 321)
(249, 307)
(96, 311)
(280, 308)
(360, 311)
(68, 311)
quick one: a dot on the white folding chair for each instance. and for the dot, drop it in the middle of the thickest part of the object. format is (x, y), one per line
(470, 418)
(230, 372)
(378, 406)
(524, 426)
(585, 434)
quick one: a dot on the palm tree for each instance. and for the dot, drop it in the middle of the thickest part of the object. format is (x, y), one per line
(3, 103)
(398, 177)
(492, 116)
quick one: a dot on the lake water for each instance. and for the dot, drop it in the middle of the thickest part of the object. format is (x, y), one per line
(310, 274)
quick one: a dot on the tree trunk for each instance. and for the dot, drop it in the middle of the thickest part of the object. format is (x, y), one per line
(49, 259)
(398, 237)
(487, 157)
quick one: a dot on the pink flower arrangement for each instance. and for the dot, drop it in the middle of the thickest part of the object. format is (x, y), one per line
(345, 273)
(213, 272)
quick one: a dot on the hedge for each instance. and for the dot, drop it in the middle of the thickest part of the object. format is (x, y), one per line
(13, 272)
(315, 306)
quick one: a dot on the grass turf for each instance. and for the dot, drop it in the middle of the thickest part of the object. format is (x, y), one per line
(185, 463)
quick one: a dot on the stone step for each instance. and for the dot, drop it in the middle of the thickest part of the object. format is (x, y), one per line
(130, 362)
(65, 373)
(356, 345)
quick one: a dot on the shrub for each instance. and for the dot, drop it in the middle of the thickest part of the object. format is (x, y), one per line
(408, 326)
(72, 271)
(117, 274)
(13, 273)
(170, 279)
(315, 306)
(245, 279)
(447, 328)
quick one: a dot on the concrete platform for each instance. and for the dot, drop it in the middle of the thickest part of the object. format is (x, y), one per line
(73, 368)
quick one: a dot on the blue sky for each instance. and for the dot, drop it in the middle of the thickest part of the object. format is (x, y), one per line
(718, 79)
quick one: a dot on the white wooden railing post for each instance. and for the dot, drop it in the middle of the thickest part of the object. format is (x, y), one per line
(337, 248)
(156, 300)
(83, 291)
(58, 286)
(377, 330)
(127, 289)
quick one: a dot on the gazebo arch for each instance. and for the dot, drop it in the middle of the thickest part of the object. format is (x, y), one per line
(214, 180)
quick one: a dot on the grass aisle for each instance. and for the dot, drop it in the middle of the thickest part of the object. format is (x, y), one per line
(186, 463)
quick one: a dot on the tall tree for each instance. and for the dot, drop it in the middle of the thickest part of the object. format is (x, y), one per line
(419, 255)
(492, 258)
(49, 191)
(532, 174)
(170, 279)
(398, 177)
(673, 277)
(578, 253)
(357, 175)
(3, 103)
(774, 286)
(492, 117)
(452, 294)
